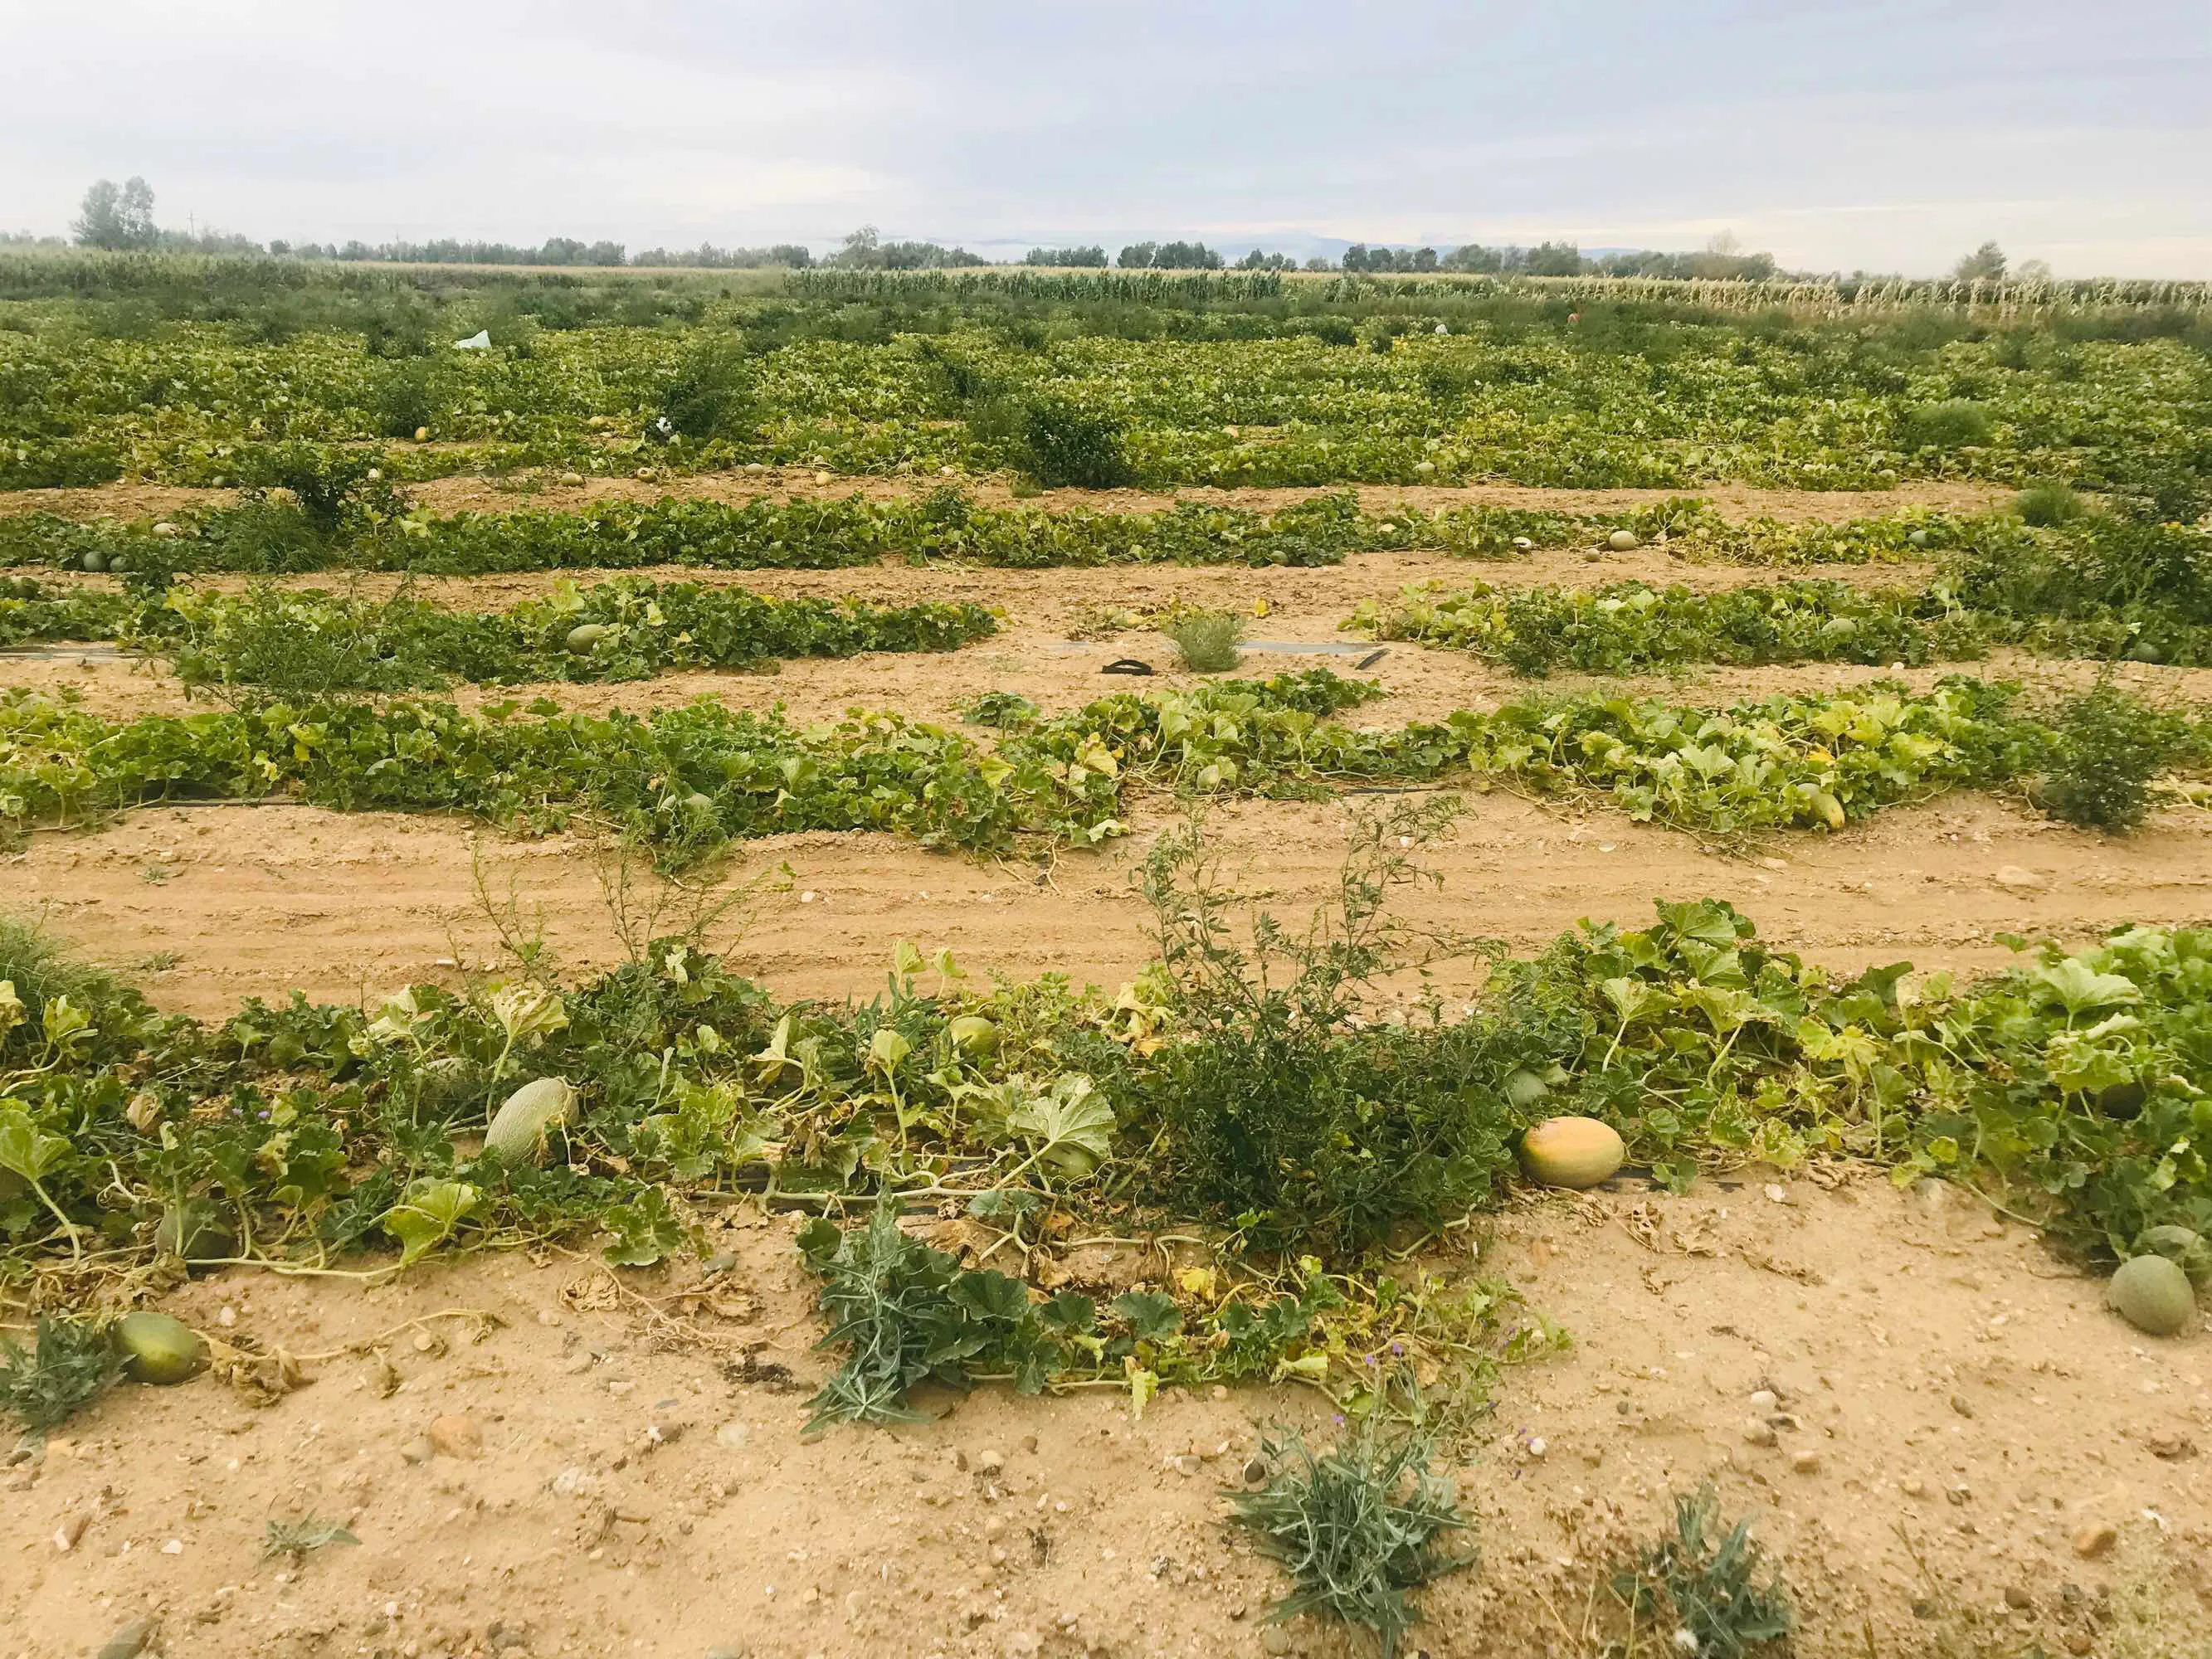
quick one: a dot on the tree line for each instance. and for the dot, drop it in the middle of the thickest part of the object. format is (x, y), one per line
(121, 216)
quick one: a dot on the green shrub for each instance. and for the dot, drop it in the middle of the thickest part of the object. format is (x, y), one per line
(1955, 423)
(711, 395)
(1283, 1113)
(1206, 640)
(1356, 1527)
(1065, 444)
(335, 489)
(405, 400)
(2046, 505)
(2110, 747)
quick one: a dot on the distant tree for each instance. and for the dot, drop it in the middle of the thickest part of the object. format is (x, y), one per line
(1319, 263)
(1985, 263)
(117, 217)
(1092, 257)
(1138, 256)
(1355, 257)
(1474, 257)
(1185, 256)
(1555, 259)
(861, 250)
(1424, 258)
(2032, 271)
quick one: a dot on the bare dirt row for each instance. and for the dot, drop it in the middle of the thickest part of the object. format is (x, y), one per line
(1974, 1457)
(546, 491)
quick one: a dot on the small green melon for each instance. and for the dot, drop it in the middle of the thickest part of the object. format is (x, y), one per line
(1918, 539)
(2152, 1294)
(193, 1232)
(2145, 651)
(1523, 1089)
(977, 1035)
(157, 1348)
(519, 1128)
(95, 561)
(582, 639)
(1624, 541)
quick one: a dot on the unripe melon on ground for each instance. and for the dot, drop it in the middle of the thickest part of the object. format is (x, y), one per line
(2152, 1294)
(519, 1128)
(193, 1232)
(977, 1035)
(1571, 1151)
(157, 1348)
(1624, 541)
(582, 638)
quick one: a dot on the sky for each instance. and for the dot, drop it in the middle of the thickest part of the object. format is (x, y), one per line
(1880, 135)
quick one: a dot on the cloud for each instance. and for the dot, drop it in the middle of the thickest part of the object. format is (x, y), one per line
(1888, 134)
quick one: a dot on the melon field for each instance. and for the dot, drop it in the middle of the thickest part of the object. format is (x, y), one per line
(1011, 964)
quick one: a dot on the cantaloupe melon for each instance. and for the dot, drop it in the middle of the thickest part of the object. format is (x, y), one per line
(1624, 541)
(519, 1128)
(1571, 1151)
(2152, 1294)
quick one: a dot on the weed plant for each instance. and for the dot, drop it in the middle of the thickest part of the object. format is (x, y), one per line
(1358, 1527)
(1713, 1583)
(1283, 1113)
(2109, 748)
(1208, 641)
(72, 1363)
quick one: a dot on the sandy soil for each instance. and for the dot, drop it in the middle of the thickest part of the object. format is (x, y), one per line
(1955, 1421)
(544, 490)
(232, 902)
(1960, 1418)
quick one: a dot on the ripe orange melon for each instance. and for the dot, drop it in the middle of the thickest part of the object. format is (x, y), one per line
(1571, 1151)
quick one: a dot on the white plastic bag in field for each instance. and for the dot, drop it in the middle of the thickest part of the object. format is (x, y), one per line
(479, 341)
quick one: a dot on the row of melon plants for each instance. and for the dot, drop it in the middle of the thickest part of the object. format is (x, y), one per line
(690, 779)
(1261, 1085)
(1634, 627)
(303, 643)
(363, 527)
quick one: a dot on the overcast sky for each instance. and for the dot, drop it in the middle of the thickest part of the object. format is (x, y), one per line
(1840, 134)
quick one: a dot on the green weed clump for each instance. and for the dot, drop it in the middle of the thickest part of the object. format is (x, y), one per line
(72, 1363)
(1954, 423)
(1208, 641)
(1716, 1586)
(712, 396)
(2045, 506)
(1065, 443)
(1282, 1114)
(1358, 1527)
(2110, 747)
(306, 643)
